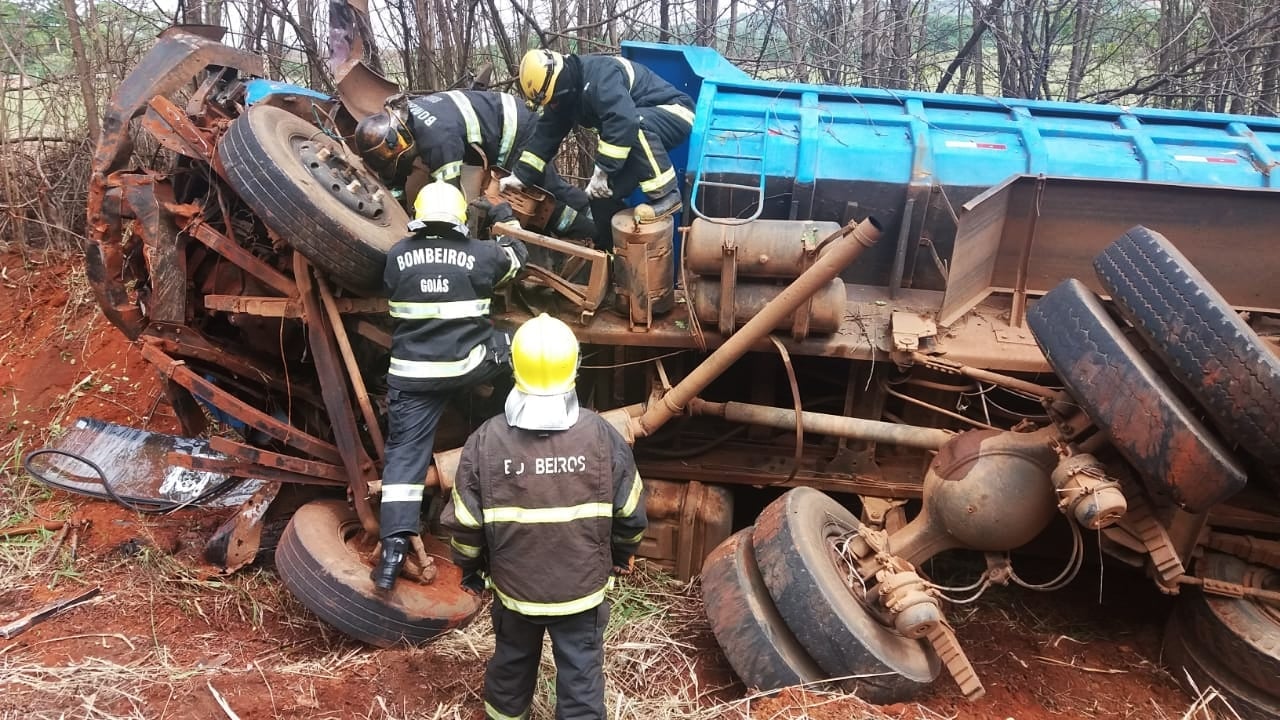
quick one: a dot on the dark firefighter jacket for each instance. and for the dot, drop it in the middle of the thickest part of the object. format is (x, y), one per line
(446, 125)
(440, 284)
(548, 514)
(611, 90)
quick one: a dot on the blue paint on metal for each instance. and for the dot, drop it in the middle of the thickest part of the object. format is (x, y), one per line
(258, 90)
(826, 133)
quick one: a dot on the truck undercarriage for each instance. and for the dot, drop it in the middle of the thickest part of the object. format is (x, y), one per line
(948, 370)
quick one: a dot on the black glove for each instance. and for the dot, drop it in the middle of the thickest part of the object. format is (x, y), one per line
(473, 582)
(501, 212)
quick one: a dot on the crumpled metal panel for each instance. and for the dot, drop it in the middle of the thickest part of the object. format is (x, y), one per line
(136, 466)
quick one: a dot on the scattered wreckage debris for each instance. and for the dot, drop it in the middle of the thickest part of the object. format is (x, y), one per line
(15, 628)
(243, 264)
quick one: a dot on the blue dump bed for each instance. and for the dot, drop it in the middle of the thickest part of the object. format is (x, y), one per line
(803, 151)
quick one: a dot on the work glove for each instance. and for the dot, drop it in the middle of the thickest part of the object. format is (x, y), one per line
(510, 183)
(473, 582)
(625, 567)
(502, 213)
(598, 187)
(394, 551)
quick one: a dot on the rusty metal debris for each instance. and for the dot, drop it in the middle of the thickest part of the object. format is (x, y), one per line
(26, 622)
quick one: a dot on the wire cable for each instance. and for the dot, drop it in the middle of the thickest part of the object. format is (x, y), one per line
(144, 507)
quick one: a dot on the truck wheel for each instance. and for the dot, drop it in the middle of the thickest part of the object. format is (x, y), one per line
(754, 637)
(1198, 335)
(1242, 634)
(321, 563)
(331, 210)
(1124, 396)
(1198, 671)
(793, 542)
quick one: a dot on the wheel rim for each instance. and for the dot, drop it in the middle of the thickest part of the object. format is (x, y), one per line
(1263, 578)
(347, 183)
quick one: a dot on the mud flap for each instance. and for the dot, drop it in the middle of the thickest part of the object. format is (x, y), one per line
(137, 466)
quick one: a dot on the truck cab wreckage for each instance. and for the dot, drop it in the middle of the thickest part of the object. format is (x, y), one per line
(895, 298)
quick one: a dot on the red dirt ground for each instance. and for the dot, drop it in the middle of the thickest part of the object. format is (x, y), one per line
(1041, 657)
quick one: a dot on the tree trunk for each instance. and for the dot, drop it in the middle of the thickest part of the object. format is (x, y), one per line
(91, 112)
(869, 51)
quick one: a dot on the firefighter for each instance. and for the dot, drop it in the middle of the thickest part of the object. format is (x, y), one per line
(639, 116)
(440, 283)
(446, 129)
(546, 508)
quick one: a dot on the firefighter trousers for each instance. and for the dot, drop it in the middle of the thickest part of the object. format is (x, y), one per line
(577, 643)
(412, 418)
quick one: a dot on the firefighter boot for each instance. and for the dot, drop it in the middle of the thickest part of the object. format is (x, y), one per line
(394, 551)
(655, 210)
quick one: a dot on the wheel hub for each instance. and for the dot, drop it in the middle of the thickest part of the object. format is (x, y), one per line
(1264, 578)
(343, 181)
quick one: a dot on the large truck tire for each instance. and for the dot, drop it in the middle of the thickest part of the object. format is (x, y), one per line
(792, 540)
(1175, 454)
(319, 564)
(1202, 340)
(273, 160)
(754, 637)
(1199, 672)
(1242, 634)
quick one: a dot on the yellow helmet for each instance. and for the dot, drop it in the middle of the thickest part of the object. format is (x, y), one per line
(539, 70)
(544, 356)
(438, 202)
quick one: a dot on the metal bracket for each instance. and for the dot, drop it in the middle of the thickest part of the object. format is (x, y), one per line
(728, 283)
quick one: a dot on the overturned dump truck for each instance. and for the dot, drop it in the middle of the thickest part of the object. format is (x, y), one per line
(888, 325)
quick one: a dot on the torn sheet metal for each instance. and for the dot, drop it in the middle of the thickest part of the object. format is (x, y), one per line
(135, 463)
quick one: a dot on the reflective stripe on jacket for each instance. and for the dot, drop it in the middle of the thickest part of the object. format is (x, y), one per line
(546, 514)
(610, 91)
(446, 126)
(440, 288)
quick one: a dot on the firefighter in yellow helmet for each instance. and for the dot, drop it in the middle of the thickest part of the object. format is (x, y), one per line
(440, 283)
(547, 506)
(639, 117)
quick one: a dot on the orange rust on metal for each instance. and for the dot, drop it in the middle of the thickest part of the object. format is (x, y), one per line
(288, 307)
(532, 206)
(712, 304)
(1019, 311)
(333, 388)
(187, 342)
(171, 127)
(237, 408)
(288, 463)
(238, 468)
(643, 269)
(949, 366)
(589, 297)
(843, 251)
(853, 428)
(374, 334)
(176, 58)
(764, 248)
(242, 258)
(240, 537)
(797, 404)
(353, 367)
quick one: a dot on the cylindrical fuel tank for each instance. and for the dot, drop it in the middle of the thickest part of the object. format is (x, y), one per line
(826, 312)
(643, 268)
(765, 248)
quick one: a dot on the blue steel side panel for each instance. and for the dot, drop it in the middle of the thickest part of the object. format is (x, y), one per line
(826, 133)
(256, 90)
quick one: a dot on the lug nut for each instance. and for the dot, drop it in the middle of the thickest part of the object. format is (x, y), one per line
(323, 154)
(355, 186)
